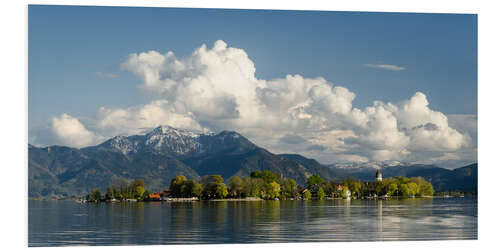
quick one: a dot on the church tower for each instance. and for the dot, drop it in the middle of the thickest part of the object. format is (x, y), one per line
(378, 175)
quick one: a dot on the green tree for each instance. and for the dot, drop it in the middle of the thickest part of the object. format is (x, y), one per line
(427, 189)
(409, 189)
(247, 187)
(344, 192)
(215, 190)
(95, 196)
(236, 186)
(315, 179)
(413, 188)
(176, 185)
(392, 188)
(424, 187)
(321, 194)
(213, 187)
(306, 195)
(402, 180)
(123, 188)
(212, 178)
(355, 188)
(328, 187)
(220, 190)
(111, 193)
(269, 176)
(197, 190)
(187, 188)
(290, 188)
(139, 192)
(272, 190)
(256, 174)
(252, 187)
(404, 189)
(145, 195)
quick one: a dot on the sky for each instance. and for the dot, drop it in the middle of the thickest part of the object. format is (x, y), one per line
(334, 86)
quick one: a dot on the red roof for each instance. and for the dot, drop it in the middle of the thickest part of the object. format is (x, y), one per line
(154, 196)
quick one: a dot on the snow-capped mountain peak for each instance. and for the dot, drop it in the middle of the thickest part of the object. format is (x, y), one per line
(123, 144)
(167, 130)
(180, 142)
(176, 132)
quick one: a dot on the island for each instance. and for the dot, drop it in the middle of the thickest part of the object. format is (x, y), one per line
(264, 185)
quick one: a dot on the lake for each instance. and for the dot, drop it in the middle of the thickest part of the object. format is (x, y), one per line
(68, 223)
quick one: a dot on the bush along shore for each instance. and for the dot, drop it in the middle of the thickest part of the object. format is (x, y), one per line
(264, 185)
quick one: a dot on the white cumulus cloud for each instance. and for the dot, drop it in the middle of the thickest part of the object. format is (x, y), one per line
(216, 88)
(71, 132)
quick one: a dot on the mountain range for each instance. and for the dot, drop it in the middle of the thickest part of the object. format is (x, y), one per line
(165, 152)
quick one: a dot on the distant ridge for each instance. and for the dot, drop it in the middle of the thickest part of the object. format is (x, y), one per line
(157, 157)
(460, 179)
(164, 152)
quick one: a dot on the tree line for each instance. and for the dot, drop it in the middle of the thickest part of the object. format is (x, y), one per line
(268, 185)
(123, 191)
(397, 186)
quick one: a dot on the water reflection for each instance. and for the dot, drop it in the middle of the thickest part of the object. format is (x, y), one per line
(380, 222)
(53, 223)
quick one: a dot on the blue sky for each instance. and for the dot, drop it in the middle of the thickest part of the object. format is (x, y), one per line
(75, 54)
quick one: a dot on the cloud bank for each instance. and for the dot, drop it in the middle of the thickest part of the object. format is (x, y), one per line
(216, 89)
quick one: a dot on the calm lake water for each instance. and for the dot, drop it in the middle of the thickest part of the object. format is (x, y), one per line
(63, 223)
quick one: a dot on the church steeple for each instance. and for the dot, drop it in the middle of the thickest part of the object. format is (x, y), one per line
(378, 175)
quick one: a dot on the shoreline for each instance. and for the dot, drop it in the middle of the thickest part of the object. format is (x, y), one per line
(240, 199)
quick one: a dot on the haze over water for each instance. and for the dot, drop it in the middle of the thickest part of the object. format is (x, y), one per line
(63, 223)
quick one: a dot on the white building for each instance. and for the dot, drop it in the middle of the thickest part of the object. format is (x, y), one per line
(378, 175)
